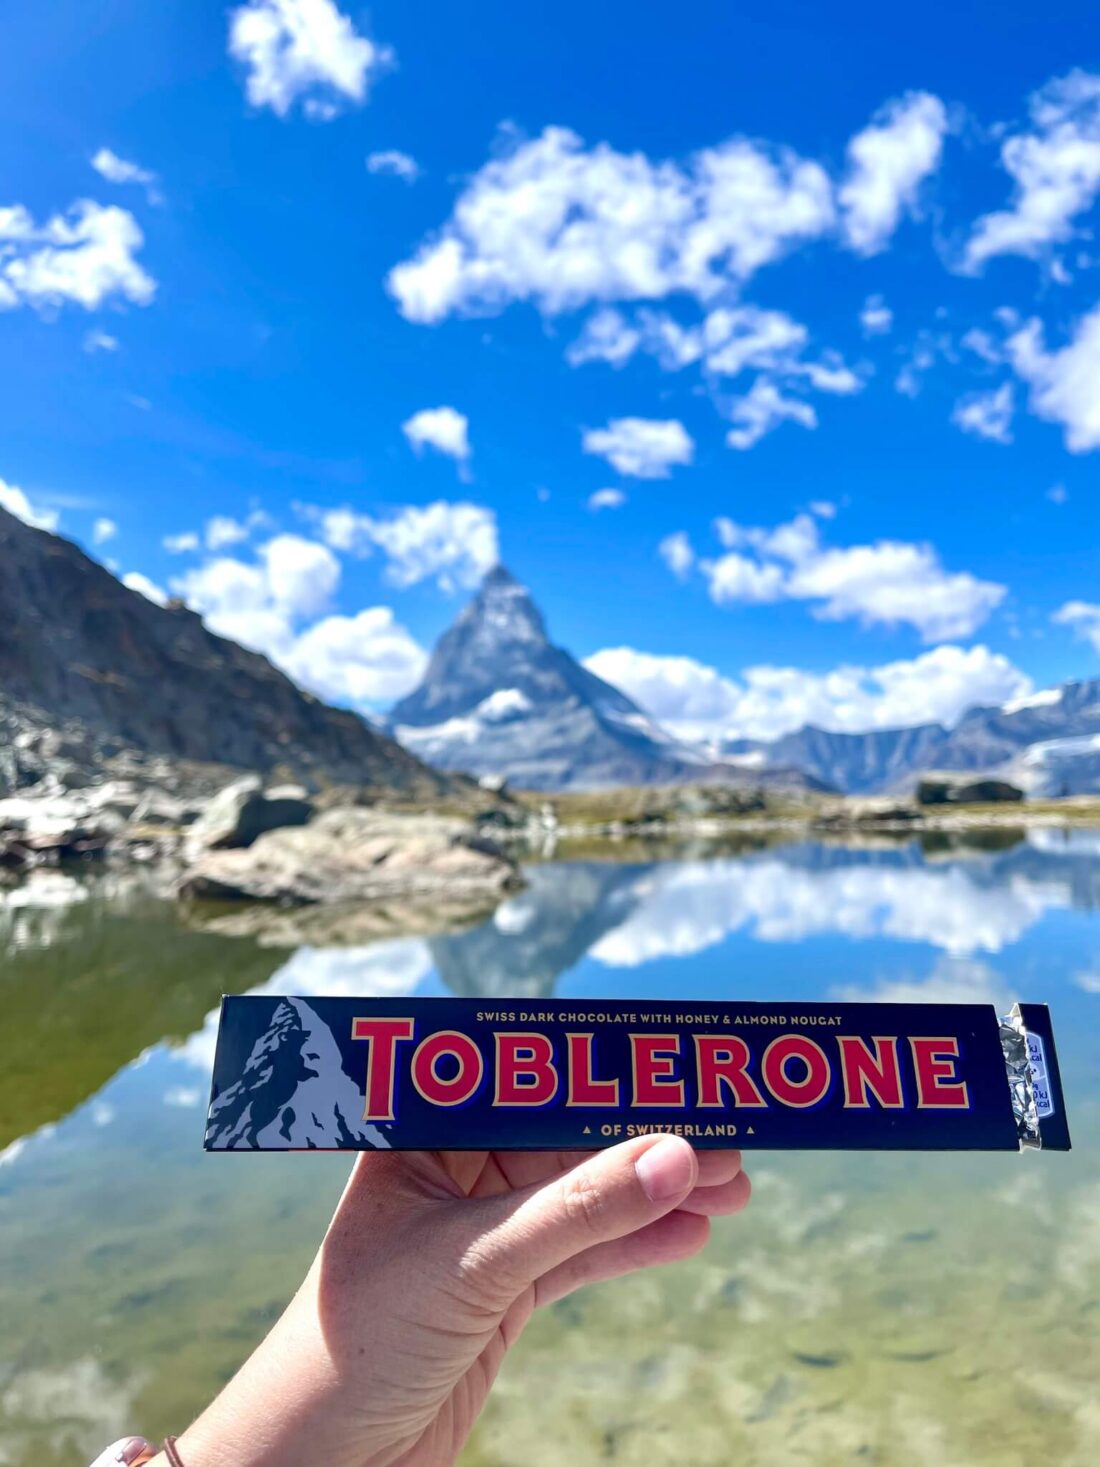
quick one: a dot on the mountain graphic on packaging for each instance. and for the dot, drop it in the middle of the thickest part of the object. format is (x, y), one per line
(293, 1093)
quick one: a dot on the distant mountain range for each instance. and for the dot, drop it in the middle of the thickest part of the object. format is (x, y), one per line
(1049, 744)
(499, 699)
(80, 650)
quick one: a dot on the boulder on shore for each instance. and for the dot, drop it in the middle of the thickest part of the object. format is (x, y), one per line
(243, 811)
(352, 854)
(965, 789)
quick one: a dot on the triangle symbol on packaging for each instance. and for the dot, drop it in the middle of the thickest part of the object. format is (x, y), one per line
(587, 1131)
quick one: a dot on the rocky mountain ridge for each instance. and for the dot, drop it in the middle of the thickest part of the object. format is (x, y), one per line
(95, 669)
(1048, 743)
(500, 701)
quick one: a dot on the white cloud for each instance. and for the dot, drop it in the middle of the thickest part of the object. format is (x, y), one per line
(441, 428)
(121, 170)
(275, 606)
(1083, 617)
(99, 341)
(735, 577)
(607, 337)
(984, 345)
(15, 501)
(1063, 382)
(887, 163)
(135, 581)
(606, 499)
(888, 582)
(394, 163)
(222, 530)
(103, 530)
(929, 347)
(301, 574)
(564, 226)
(236, 600)
(894, 581)
(259, 604)
(762, 409)
(305, 50)
(85, 257)
(1055, 168)
(362, 660)
(453, 542)
(728, 341)
(876, 317)
(739, 337)
(554, 222)
(178, 544)
(676, 552)
(987, 414)
(697, 703)
(641, 448)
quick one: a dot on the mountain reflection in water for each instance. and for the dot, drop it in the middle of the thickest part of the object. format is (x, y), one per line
(885, 1308)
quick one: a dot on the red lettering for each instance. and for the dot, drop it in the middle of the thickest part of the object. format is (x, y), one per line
(722, 1061)
(934, 1061)
(526, 1074)
(382, 1035)
(654, 1069)
(584, 1089)
(866, 1074)
(813, 1085)
(425, 1073)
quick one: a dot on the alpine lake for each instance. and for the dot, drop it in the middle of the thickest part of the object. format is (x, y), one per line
(873, 1308)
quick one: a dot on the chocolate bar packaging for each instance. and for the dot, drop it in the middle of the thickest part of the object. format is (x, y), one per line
(470, 1074)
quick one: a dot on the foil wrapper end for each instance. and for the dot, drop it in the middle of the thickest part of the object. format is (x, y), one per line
(1021, 1083)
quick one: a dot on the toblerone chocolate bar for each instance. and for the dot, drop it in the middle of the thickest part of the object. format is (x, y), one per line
(348, 1074)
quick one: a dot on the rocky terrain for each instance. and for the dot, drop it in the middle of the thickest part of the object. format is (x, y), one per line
(130, 733)
(104, 671)
(348, 859)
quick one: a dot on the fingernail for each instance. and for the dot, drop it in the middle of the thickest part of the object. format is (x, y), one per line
(666, 1170)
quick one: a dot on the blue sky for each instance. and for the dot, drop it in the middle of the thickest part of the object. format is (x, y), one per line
(353, 296)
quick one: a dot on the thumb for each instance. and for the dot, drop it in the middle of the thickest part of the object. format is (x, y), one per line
(611, 1194)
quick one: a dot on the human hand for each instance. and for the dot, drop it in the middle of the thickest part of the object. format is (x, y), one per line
(429, 1271)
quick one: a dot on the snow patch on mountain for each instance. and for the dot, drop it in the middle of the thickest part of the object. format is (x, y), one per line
(1046, 698)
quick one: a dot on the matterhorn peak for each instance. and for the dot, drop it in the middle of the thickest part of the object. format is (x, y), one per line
(499, 698)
